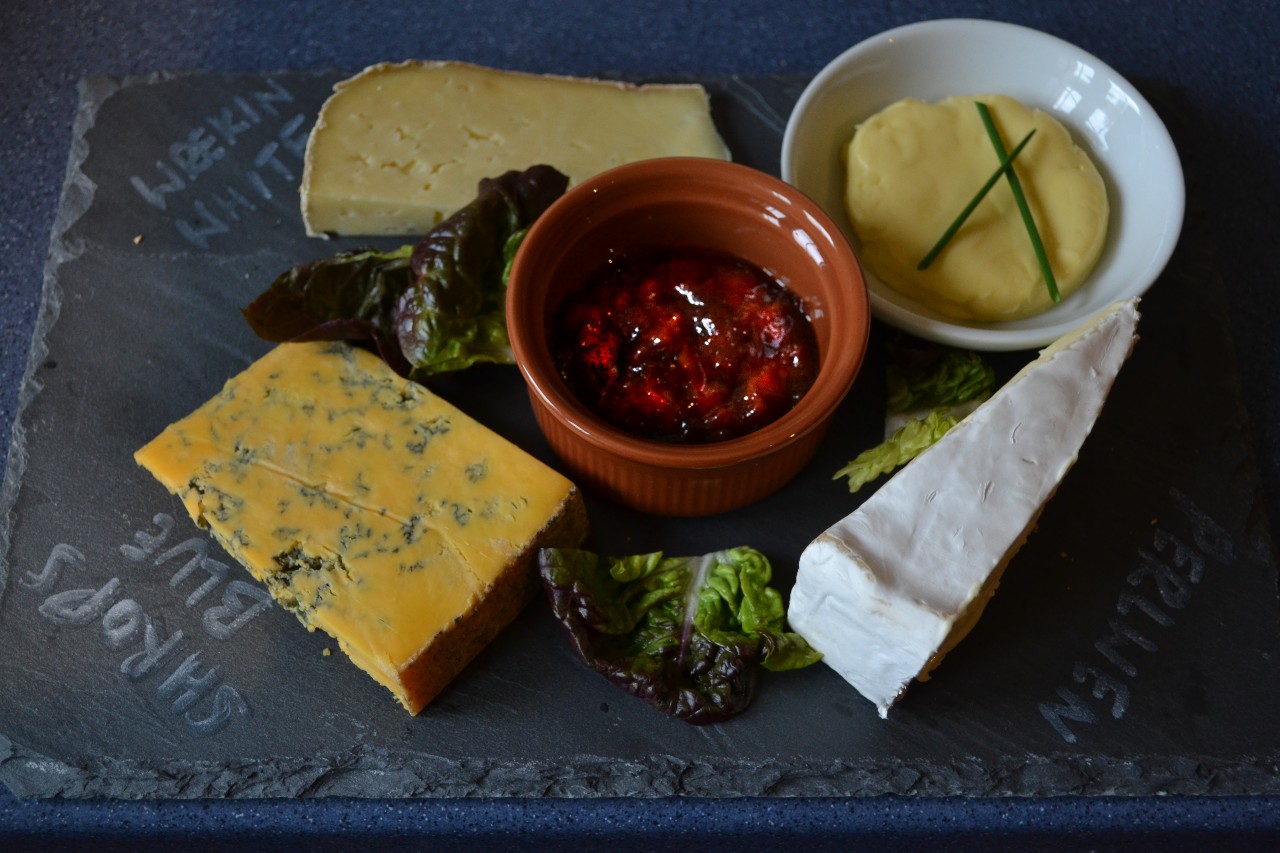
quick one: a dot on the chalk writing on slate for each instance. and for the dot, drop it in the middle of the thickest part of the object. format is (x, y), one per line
(201, 212)
(180, 686)
(1166, 571)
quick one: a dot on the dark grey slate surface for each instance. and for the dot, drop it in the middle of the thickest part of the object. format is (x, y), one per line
(1131, 649)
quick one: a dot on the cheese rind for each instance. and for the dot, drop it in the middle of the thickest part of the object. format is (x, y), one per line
(884, 593)
(398, 147)
(373, 509)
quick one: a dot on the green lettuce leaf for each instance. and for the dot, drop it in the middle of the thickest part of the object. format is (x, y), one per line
(931, 388)
(434, 307)
(687, 634)
(936, 377)
(907, 442)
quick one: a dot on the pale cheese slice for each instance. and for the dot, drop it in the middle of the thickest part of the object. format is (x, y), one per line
(398, 147)
(888, 590)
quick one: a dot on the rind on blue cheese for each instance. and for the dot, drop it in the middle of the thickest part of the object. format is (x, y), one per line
(369, 507)
(888, 590)
(400, 146)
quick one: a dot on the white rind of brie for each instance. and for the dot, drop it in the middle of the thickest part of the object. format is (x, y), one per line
(884, 593)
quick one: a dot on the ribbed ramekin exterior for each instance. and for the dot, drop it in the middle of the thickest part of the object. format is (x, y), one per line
(675, 491)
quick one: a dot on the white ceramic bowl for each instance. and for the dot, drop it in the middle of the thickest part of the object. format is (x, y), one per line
(1106, 115)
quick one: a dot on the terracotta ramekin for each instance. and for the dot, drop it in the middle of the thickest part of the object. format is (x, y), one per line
(707, 204)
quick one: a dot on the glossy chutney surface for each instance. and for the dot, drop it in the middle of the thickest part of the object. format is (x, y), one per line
(685, 345)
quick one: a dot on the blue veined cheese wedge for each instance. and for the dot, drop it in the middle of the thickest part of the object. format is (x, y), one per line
(884, 593)
(371, 508)
(400, 146)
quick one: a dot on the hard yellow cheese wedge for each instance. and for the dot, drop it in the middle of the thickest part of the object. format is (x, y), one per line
(371, 508)
(398, 147)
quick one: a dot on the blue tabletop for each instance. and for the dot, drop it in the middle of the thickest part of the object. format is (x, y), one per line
(1216, 59)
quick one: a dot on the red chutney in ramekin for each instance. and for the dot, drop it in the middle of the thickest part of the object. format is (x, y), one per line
(686, 345)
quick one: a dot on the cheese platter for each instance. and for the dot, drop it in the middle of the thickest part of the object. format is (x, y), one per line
(1129, 650)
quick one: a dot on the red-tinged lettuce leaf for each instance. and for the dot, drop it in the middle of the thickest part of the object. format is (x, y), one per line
(348, 297)
(454, 313)
(687, 634)
(426, 309)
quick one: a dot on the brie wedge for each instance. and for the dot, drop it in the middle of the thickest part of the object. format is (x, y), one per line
(888, 590)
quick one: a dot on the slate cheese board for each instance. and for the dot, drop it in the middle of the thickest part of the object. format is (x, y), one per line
(1131, 649)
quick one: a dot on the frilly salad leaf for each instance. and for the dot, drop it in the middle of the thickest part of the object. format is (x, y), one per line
(430, 308)
(687, 634)
(930, 390)
(351, 297)
(932, 377)
(907, 442)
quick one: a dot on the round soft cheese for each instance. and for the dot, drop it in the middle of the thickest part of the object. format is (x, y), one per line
(914, 166)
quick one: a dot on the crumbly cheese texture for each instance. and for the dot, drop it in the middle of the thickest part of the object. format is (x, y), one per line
(888, 590)
(371, 508)
(398, 147)
(913, 167)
